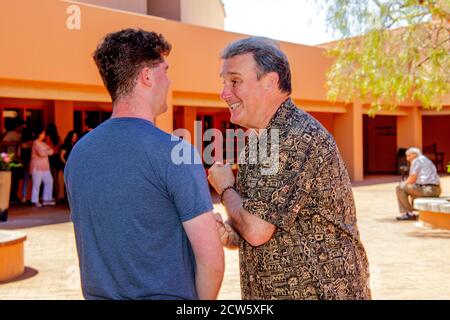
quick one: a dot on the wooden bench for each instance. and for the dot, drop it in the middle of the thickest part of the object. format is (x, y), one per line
(434, 212)
(11, 255)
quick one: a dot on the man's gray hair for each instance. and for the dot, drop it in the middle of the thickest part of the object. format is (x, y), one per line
(413, 150)
(268, 58)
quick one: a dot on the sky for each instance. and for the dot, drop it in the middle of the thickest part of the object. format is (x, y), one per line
(297, 21)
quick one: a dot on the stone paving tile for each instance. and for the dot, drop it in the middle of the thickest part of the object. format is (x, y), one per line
(407, 261)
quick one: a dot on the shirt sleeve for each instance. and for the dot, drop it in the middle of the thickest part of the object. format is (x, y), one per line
(415, 167)
(188, 187)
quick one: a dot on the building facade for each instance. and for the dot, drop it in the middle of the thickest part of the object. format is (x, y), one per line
(206, 13)
(47, 74)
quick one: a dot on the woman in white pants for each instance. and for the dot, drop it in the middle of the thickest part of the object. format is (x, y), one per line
(40, 170)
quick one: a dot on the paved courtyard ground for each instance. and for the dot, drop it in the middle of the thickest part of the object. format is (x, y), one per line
(407, 261)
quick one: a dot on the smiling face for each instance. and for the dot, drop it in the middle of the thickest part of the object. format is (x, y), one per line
(243, 92)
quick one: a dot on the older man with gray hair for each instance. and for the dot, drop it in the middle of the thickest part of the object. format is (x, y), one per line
(296, 226)
(423, 181)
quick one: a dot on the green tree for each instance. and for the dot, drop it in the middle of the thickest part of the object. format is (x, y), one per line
(393, 50)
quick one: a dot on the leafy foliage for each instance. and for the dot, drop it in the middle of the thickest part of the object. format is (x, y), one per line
(8, 161)
(394, 50)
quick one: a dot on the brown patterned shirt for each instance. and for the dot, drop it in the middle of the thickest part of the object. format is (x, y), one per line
(316, 252)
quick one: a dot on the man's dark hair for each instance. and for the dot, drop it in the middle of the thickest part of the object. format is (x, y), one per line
(121, 55)
(268, 58)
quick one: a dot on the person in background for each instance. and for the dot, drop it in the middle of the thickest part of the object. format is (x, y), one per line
(69, 142)
(40, 170)
(90, 124)
(54, 141)
(12, 140)
(13, 133)
(423, 181)
(25, 158)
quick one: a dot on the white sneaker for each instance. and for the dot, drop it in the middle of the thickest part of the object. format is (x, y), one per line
(49, 203)
(38, 205)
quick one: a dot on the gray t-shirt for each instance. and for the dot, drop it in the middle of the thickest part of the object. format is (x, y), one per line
(425, 170)
(128, 201)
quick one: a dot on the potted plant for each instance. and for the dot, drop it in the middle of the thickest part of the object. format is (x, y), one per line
(7, 162)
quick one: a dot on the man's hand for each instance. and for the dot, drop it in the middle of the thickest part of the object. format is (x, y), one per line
(411, 179)
(220, 176)
(228, 236)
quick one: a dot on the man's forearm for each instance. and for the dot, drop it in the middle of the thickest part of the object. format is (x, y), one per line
(411, 179)
(250, 227)
(208, 282)
(236, 213)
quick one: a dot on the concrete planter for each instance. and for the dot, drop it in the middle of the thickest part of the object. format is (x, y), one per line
(11, 255)
(5, 189)
(434, 212)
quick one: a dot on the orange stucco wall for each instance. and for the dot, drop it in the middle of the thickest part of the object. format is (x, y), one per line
(409, 129)
(348, 133)
(47, 51)
(326, 119)
(63, 113)
(138, 6)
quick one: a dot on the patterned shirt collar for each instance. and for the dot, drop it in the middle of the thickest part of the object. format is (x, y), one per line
(282, 115)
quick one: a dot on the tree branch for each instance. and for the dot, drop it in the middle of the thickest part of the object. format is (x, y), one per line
(429, 57)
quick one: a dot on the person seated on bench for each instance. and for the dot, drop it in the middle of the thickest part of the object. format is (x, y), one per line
(423, 181)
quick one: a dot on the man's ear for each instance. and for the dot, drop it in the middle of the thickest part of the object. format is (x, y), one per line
(271, 80)
(145, 76)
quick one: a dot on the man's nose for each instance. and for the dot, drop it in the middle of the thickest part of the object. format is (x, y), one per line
(226, 93)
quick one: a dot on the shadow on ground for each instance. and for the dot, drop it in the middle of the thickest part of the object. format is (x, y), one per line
(27, 274)
(391, 220)
(376, 179)
(22, 217)
(430, 234)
